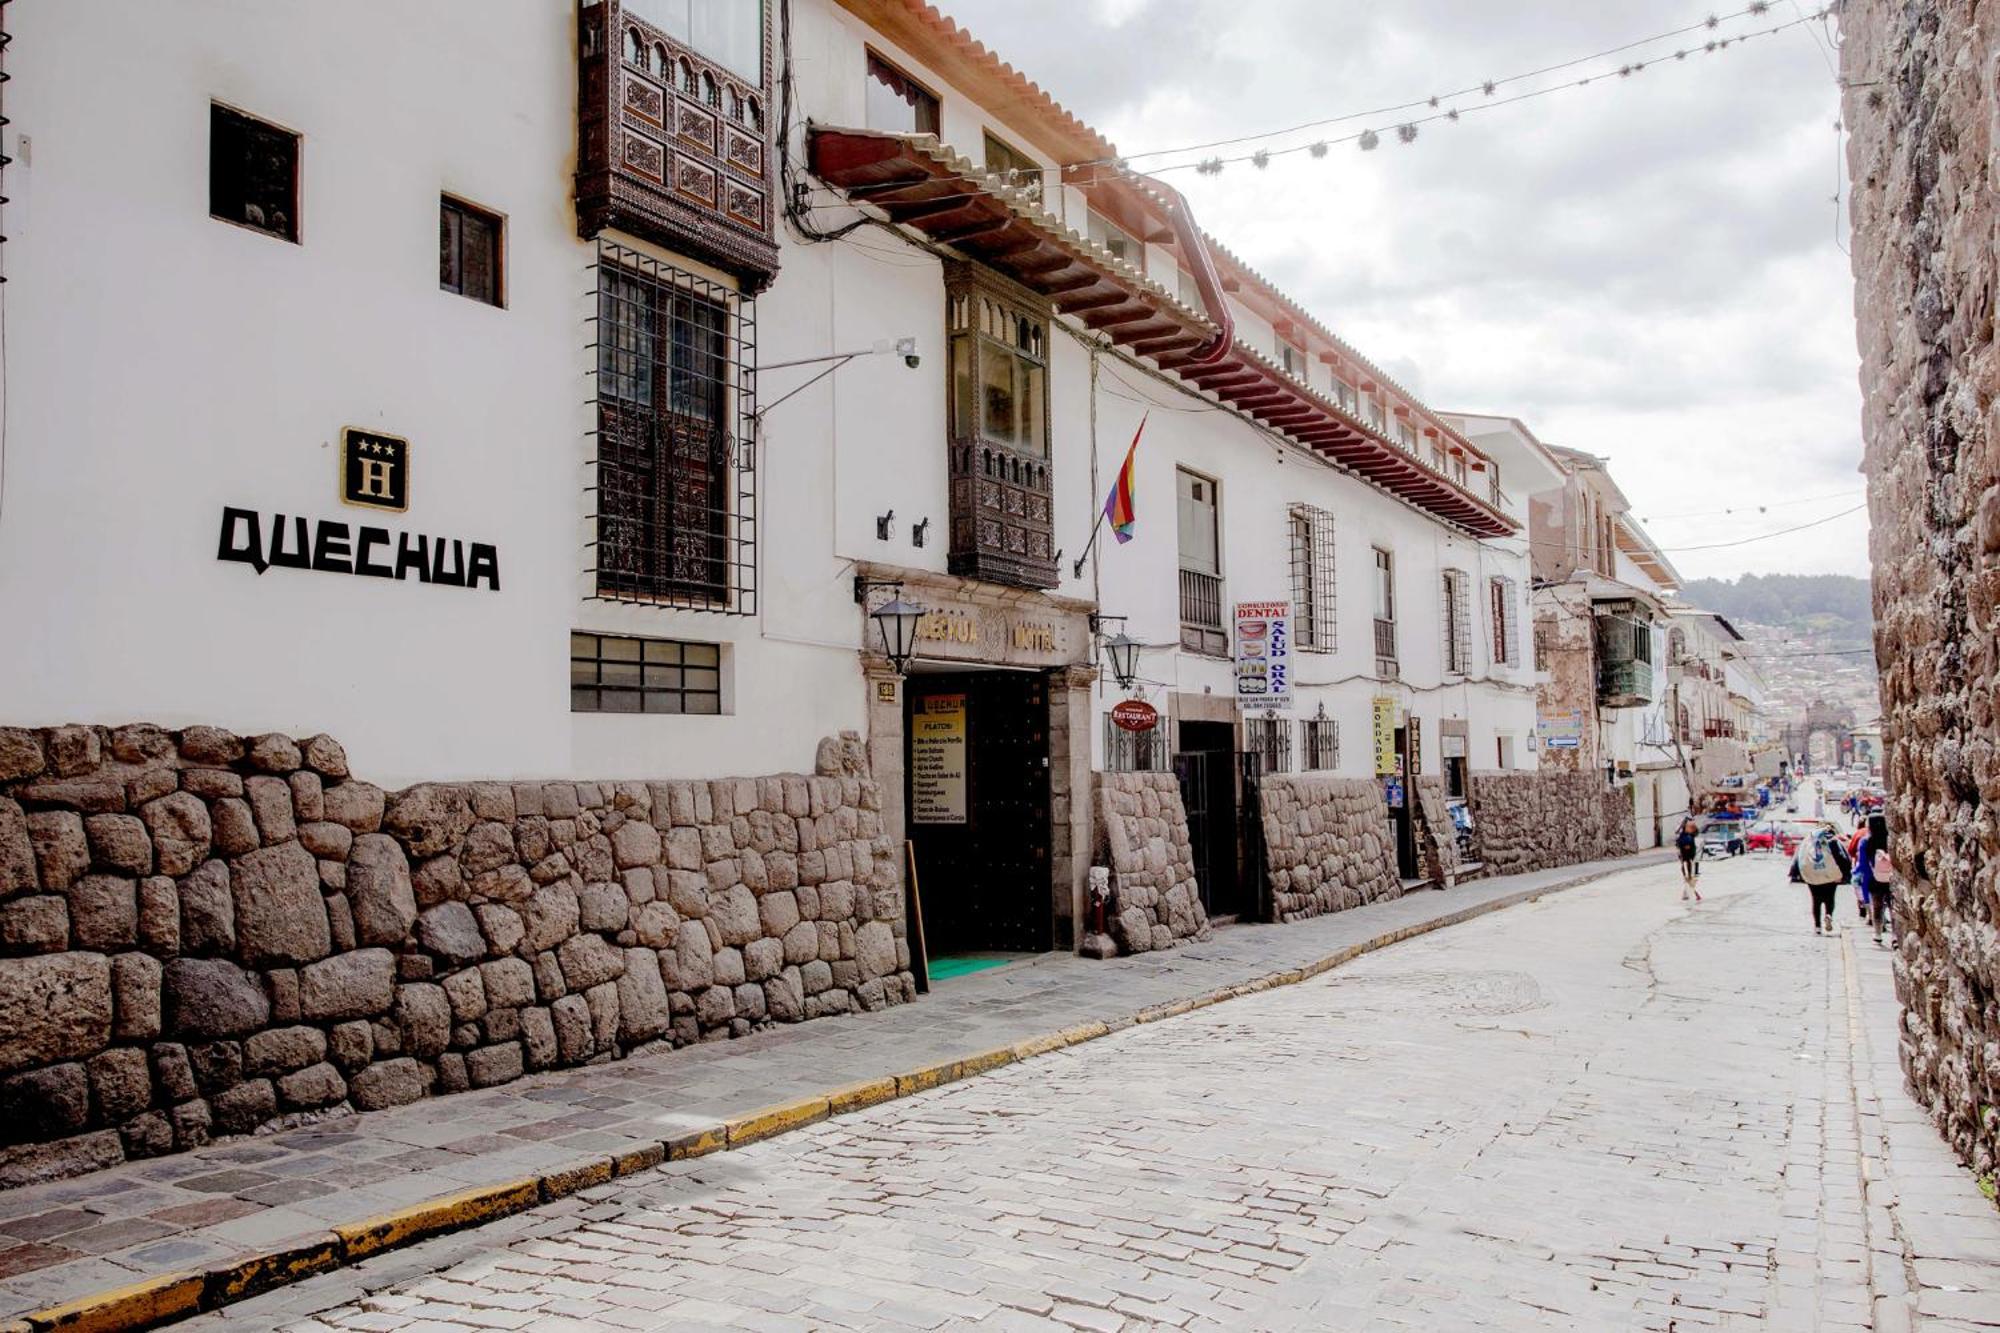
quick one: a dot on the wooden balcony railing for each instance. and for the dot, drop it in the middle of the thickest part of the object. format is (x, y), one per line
(1202, 627)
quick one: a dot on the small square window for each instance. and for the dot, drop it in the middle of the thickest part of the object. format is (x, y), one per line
(253, 173)
(469, 251)
(618, 674)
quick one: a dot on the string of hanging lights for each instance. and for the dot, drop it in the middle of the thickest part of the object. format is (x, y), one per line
(1406, 131)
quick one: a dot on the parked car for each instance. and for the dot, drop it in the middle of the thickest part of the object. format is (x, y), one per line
(1724, 839)
(1762, 837)
(1792, 832)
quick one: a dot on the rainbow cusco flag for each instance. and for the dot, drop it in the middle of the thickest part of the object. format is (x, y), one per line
(1118, 505)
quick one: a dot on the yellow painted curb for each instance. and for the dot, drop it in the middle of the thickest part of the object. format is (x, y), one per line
(985, 1060)
(140, 1305)
(556, 1184)
(697, 1143)
(930, 1076)
(860, 1096)
(1031, 1047)
(766, 1121)
(358, 1240)
(259, 1273)
(639, 1159)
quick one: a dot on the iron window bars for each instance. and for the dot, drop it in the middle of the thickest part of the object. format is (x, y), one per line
(1321, 742)
(617, 674)
(1136, 751)
(1506, 622)
(1314, 601)
(1270, 738)
(674, 470)
(1457, 624)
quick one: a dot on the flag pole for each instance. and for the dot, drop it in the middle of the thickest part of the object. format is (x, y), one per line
(1076, 570)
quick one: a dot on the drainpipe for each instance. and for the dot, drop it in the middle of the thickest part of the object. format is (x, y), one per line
(1194, 246)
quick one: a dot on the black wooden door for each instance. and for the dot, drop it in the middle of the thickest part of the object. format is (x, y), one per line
(1207, 769)
(985, 879)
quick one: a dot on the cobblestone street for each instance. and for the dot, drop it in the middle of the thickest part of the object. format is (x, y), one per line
(1603, 1110)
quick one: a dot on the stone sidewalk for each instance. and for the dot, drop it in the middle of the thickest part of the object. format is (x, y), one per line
(204, 1214)
(1933, 1239)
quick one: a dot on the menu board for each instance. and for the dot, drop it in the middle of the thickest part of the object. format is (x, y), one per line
(1264, 654)
(937, 759)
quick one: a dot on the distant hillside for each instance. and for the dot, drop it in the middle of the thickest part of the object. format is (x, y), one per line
(1831, 604)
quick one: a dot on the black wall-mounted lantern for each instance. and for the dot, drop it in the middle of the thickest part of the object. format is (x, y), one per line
(896, 621)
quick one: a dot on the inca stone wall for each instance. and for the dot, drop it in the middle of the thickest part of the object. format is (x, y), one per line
(203, 934)
(1142, 834)
(1327, 845)
(1920, 110)
(1437, 835)
(1536, 821)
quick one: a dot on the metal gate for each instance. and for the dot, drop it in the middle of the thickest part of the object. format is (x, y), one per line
(1250, 833)
(1191, 769)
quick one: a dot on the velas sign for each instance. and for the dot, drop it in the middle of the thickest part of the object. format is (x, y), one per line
(1135, 715)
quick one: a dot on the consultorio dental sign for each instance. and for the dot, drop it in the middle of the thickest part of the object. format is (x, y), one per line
(374, 474)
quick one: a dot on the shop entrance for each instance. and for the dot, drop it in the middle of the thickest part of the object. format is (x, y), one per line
(1206, 765)
(1401, 820)
(976, 765)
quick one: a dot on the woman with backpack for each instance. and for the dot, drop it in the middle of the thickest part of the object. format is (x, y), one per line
(1877, 876)
(1821, 864)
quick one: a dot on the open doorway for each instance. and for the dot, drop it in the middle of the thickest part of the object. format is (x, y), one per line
(1207, 768)
(976, 767)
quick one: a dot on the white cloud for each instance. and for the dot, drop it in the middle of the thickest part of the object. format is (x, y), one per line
(1645, 268)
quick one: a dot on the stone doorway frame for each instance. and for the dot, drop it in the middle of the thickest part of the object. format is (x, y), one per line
(1072, 675)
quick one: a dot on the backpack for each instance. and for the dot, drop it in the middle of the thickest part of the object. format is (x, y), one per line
(1882, 870)
(1819, 861)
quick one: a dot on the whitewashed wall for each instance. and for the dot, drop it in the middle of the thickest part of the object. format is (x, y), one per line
(162, 365)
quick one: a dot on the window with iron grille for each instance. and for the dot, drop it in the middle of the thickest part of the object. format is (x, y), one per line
(253, 173)
(1314, 608)
(1321, 742)
(611, 673)
(1506, 622)
(468, 251)
(1457, 623)
(1270, 738)
(675, 468)
(1136, 751)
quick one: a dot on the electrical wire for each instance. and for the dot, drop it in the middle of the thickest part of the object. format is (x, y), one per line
(1744, 509)
(1406, 132)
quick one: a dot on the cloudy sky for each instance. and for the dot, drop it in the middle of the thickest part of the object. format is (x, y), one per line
(1647, 268)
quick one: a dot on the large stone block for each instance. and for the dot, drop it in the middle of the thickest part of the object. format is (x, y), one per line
(430, 818)
(361, 984)
(280, 917)
(451, 931)
(180, 828)
(379, 890)
(205, 998)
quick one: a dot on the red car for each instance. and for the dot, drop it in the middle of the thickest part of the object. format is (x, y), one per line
(1783, 835)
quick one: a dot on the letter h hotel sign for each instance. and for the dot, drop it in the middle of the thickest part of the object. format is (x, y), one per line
(374, 470)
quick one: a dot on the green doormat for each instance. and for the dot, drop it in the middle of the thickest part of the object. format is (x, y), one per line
(944, 969)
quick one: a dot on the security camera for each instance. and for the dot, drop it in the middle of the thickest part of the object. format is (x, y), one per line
(908, 348)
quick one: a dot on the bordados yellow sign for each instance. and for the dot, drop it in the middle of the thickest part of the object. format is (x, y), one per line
(1385, 737)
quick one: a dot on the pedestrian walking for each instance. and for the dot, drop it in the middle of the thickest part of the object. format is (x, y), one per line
(1688, 843)
(1854, 843)
(1878, 873)
(1821, 865)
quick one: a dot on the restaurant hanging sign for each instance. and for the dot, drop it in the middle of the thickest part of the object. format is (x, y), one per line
(1134, 715)
(937, 759)
(1264, 654)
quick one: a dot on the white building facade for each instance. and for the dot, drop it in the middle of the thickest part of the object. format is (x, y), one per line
(605, 496)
